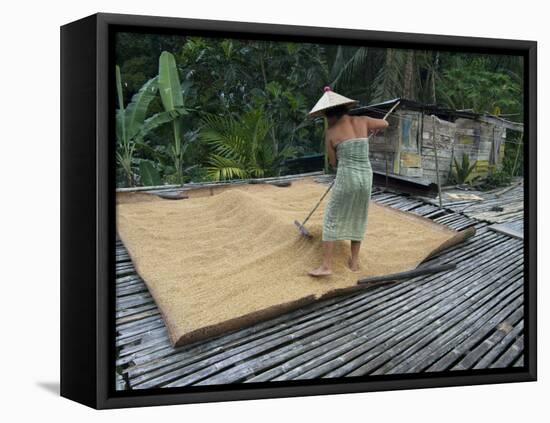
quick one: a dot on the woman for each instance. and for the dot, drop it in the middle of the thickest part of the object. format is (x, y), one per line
(347, 147)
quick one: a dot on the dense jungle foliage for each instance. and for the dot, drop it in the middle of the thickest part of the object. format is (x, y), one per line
(197, 109)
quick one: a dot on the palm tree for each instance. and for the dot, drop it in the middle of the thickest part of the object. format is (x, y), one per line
(348, 66)
(409, 76)
(239, 147)
(389, 80)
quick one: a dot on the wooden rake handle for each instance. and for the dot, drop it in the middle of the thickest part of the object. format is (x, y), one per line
(319, 202)
(391, 110)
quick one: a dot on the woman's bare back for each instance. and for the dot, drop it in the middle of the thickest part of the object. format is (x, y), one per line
(349, 127)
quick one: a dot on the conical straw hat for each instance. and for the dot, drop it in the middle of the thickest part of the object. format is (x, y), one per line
(328, 100)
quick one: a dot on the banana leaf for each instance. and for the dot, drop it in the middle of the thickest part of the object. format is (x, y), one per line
(120, 127)
(169, 82)
(137, 109)
(154, 122)
(120, 116)
(149, 175)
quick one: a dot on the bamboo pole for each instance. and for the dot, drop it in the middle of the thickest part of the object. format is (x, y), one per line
(518, 148)
(386, 153)
(325, 127)
(386, 157)
(436, 162)
(374, 280)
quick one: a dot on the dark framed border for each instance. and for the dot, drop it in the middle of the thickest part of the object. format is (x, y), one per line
(88, 206)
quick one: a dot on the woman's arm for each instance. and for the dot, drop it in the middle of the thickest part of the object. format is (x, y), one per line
(331, 153)
(374, 124)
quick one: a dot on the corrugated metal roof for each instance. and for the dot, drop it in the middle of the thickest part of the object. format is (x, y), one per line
(377, 110)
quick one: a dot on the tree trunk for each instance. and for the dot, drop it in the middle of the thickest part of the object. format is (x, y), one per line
(387, 79)
(272, 130)
(408, 80)
(434, 71)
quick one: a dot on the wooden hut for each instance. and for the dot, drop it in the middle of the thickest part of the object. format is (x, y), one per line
(406, 150)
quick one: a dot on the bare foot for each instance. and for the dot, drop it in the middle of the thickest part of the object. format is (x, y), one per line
(320, 271)
(354, 267)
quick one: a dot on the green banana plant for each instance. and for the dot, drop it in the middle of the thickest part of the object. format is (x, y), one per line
(125, 149)
(172, 97)
(130, 122)
(131, 125)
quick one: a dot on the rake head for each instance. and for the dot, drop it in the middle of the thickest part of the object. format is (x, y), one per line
(303, 231)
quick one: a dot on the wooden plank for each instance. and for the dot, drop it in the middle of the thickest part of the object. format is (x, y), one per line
(421, 353)
(426, 270)
(510, 355)
(507, 230)
(131, 311)
(152, 311)
(519, 362)
(493, 345)
(142, 336)
(459, 350)
(492, 355)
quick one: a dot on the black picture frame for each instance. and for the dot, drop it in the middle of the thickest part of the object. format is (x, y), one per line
(88, 222)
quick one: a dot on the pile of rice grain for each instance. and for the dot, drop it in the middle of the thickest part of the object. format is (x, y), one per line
(226, 258)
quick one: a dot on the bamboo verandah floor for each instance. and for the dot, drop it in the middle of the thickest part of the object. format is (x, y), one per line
(467, 318)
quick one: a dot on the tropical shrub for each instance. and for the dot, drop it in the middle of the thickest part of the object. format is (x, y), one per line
(461, 172)
(129, 122)
(497, 178)
(239, 147)
(132, 126)
(149, 175)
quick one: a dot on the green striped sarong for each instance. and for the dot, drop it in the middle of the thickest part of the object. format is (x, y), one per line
(347, 210)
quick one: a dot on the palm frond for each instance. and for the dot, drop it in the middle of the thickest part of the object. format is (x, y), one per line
(351, 68)
(239, 147)
(388, 81)
(222, 168)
